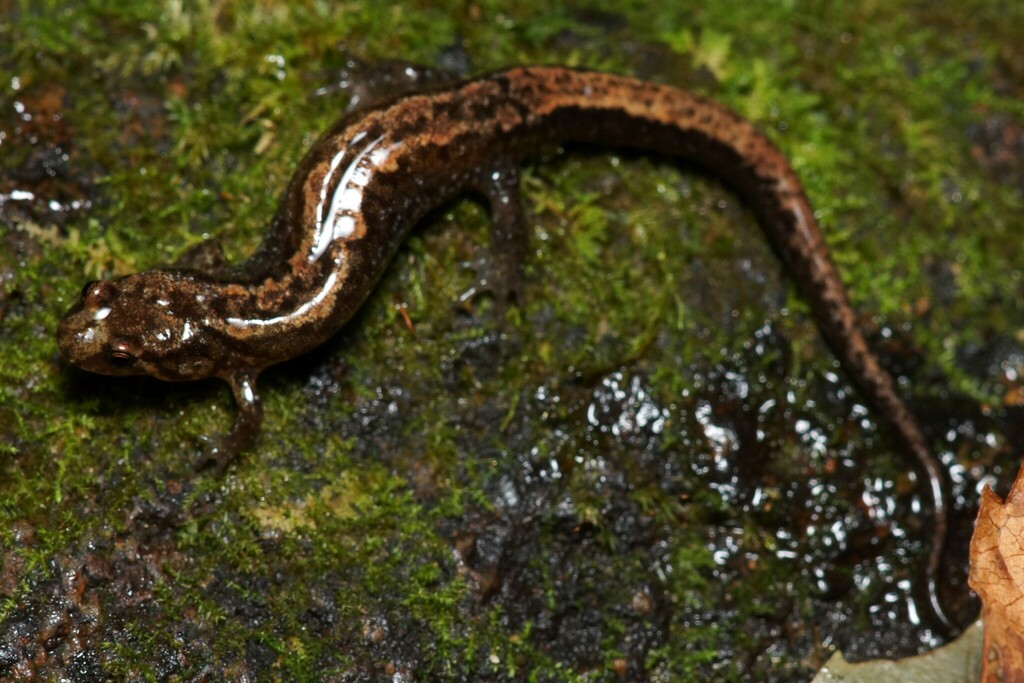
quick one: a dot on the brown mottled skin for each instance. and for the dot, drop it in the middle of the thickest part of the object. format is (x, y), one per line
(374, 175)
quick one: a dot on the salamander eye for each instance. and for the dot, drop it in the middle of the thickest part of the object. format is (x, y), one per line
(98, 293)
(88, 286)
(121, 354)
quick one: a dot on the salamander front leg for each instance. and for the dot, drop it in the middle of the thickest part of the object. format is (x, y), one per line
(370, 82)
(206, 257)
(221, 450)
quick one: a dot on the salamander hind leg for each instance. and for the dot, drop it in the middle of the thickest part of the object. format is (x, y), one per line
(510, 236)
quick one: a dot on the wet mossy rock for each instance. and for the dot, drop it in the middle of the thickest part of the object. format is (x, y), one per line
(652, 469)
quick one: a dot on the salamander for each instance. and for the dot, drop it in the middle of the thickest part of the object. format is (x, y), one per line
(373, 175)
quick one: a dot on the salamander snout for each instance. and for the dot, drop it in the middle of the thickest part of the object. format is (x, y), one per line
(85, 337)
(136, 325)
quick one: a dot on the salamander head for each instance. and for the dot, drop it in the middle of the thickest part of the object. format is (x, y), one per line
(151, 323)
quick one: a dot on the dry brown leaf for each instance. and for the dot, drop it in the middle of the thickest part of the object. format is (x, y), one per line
(997, 576)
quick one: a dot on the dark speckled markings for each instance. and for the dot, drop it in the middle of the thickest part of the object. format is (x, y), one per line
(373, 176)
